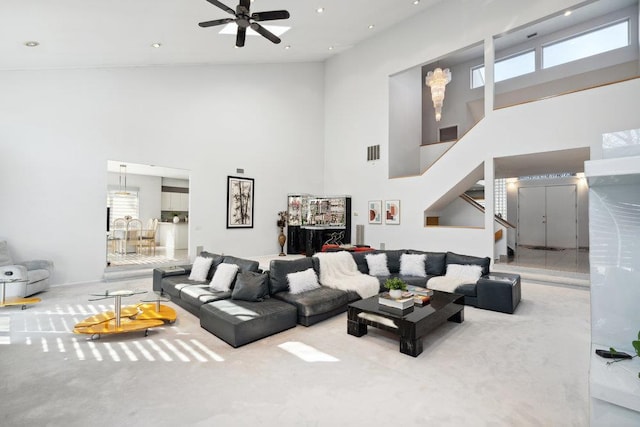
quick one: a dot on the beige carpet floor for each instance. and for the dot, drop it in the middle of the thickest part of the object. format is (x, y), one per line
(494, 369)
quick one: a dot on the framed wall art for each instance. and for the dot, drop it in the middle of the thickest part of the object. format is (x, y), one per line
(375, 212)
(392, 212)
(239, 202)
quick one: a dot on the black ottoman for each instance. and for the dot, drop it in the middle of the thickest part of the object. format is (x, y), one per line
(241, 322)
(499, 292)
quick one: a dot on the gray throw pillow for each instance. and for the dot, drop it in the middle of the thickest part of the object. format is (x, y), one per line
(251, 286)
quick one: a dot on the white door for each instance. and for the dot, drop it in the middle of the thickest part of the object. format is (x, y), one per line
(547, 216)
(531, 216)
(561, 217)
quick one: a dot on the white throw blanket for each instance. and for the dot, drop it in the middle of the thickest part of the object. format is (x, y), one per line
(338, 270)
(446, 283)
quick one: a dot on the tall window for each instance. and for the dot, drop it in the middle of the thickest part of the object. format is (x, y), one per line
(506, 68)
(604, 39)
(500, 197)
(122, 205)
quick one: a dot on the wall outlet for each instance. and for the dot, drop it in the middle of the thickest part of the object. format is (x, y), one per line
(382, 246)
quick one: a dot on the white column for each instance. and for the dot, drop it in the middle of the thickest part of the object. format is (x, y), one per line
(489, 57)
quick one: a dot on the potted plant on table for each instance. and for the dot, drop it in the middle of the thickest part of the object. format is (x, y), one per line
(395, 286)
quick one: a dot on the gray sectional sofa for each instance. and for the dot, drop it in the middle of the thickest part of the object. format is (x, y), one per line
(239, 321)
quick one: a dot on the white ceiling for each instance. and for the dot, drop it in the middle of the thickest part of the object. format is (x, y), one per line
(99, 33)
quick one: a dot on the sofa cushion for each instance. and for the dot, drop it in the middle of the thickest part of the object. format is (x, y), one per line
(453, 258)
(436, 262)
(241, 322)
(251, 286)
(468, 290)
(377, 264)
(413, 265)
(200, 268)
(278, 270)
(316, 301)
(393, 260)
(201, 294)
(361, 261)
(217, 260)
(243, 264)
(467, 272)
(223, 277)
(37, 275)
(303, 281)
(172, 285)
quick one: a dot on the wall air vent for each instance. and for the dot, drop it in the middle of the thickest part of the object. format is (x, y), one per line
(373, 153)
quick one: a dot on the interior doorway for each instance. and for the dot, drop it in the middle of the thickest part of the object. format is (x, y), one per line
(144, 228)
(547, 217)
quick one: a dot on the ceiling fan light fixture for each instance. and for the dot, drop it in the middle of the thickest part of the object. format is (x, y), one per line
(232, 29)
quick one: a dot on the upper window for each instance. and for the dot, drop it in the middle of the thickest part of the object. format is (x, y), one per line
(601, 40)
(122, 205)
(506, 68)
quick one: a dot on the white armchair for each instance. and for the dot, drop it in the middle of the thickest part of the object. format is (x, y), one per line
(35, 273)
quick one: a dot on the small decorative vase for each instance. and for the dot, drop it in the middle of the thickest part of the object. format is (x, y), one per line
(395, 293)
(176, 219)
(281, 240)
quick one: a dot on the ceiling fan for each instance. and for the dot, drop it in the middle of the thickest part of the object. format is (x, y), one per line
(245, 20)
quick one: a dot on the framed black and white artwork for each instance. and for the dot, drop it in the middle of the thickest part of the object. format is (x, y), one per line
(239, 202)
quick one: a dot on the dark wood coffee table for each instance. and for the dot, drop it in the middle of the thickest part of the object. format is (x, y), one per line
(410, 327)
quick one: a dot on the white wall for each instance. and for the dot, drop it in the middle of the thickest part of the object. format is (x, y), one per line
(58, 128)
(356, 88)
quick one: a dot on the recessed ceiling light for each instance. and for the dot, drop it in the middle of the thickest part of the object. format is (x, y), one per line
(320, 9)
(371, 26)
(416, 1)
(330, 47)
(287, 47)
(156, 45)
(32, 43)
(567, 13)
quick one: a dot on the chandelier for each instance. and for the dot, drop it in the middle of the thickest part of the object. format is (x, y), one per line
(122, 190)
(437, 80)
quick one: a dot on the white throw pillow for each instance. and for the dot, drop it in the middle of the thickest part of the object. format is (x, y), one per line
(200, 269)
(413, 265)
(377, 264)
(223, 277)
(466, 272)
(303, 281)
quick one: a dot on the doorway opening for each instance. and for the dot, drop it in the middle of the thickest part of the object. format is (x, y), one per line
(146, 217)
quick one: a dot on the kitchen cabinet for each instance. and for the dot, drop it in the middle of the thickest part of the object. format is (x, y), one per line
(173, 236)
(174, 201)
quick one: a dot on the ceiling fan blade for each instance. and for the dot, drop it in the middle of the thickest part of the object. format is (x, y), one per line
(242, 34)
(264, 32)
(270, 16)
(215, 22)
(222, 6)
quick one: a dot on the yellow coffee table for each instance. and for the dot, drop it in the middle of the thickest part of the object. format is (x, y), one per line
(133, 318)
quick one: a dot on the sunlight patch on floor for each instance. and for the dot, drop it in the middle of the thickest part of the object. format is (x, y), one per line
(306, 352)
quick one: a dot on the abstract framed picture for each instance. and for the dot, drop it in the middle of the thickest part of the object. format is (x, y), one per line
(375, 212)
(239, 202)
(392, 212)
